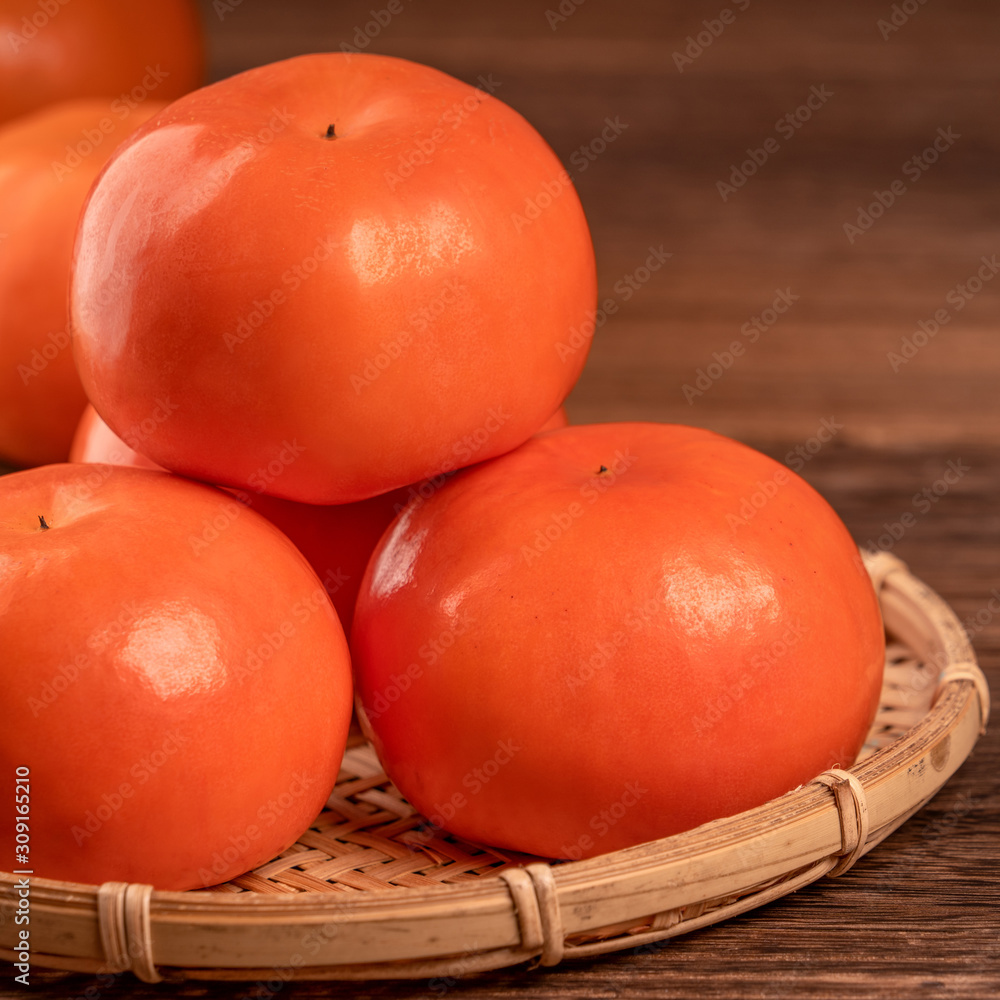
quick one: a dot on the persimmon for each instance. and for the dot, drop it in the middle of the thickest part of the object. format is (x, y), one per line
(177, 681)
(95, 442)
(118, 50)
(612, 634)
(337, 539)
(558, 419)
(352, 266)
(48, 161)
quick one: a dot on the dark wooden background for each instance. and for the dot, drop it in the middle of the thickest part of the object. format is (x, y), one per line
(919, 915)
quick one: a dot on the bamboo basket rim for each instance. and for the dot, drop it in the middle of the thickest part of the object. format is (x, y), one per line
(542, 912)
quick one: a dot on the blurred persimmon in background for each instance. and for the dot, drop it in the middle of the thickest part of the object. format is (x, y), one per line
(48, 160)
(53, 50)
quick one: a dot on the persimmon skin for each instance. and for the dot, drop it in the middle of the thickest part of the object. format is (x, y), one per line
(337, 539)
(586, 644)
(41, 198)
(558, 419)
(304, 303)
(67, 49)
(180, 697)
(95, 442)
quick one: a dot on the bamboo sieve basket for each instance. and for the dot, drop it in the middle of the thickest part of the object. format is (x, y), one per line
(372, 891)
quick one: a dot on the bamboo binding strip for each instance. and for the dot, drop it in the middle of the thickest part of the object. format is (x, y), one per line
(852, 808)
(370, 892)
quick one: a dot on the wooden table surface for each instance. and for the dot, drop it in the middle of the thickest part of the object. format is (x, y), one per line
(919, 915)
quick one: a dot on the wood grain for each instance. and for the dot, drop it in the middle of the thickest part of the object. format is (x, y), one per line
(920, 915)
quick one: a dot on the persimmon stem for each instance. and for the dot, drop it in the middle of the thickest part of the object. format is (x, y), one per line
(42, 524)
(331, 133)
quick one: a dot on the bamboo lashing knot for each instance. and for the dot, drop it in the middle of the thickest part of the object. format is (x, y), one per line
(852, 808)
(126, 936)
(533, 891)
(967, 671)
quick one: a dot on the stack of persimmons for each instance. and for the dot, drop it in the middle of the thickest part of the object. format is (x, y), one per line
(282, 363)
